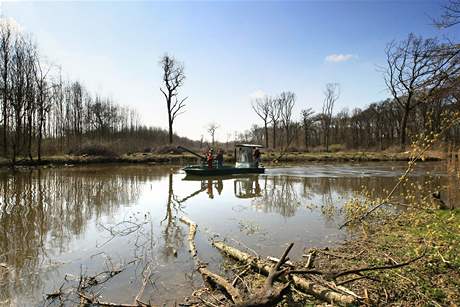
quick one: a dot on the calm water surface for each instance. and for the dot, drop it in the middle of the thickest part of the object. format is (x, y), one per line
(59, 223)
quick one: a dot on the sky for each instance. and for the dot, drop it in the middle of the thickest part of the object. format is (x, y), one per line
(233, 51)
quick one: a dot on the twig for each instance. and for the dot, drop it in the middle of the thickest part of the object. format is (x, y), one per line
(144, 283)
(275, 260)
(95, 301)
(377, 268)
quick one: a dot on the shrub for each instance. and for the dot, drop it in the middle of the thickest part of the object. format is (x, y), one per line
(168, 149)
(292, 149)
(93, 150)
(336, 147)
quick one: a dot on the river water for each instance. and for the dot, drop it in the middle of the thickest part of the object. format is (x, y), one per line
(58, 224)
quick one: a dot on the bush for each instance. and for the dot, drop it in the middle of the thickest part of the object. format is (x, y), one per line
(336, 147)
(93, 150)
(168, 149)
(292, 149)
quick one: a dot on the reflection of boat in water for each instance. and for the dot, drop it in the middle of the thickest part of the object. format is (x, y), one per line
(245, 163)
(247, 187)
(244, 186)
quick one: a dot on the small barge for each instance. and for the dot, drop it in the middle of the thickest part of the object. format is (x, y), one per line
(245, 163)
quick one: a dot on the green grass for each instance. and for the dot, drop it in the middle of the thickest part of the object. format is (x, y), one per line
(432, 280)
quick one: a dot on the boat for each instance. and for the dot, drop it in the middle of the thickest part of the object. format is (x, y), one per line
(244, 164)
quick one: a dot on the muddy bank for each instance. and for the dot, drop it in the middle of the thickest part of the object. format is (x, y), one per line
(268, 158)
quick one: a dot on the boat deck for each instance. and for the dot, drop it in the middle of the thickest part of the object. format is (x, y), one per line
(198, 170)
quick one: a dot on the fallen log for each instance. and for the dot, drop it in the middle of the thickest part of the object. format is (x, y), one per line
(191, 234)
(205, 273)
(315, 289)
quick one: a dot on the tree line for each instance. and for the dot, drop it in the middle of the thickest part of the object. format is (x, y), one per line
(423, 78)
(42, 113)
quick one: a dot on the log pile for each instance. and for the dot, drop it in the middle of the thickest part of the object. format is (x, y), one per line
(279, 277)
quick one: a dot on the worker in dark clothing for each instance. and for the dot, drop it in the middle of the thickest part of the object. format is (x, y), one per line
(220, 158)
(256, 156)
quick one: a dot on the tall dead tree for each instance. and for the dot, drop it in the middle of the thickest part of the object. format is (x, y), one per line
(173, 79)
(416, 69)
(331, 95)
(287, 102)
(262, 108)
(212, 127)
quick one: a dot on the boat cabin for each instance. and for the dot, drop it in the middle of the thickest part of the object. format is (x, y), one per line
(244, 155)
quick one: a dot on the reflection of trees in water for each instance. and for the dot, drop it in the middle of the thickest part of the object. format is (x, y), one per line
(43, 210)
(285, 194)
(172, 234)
(278, 195)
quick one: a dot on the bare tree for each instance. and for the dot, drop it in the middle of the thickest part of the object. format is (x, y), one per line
(307, 122)
(416, 69)
(262, 108)
(450, 16)
(287, 102)
(211, 128)
(5, 56)
(173, 79)
(331, 95)
(274, 114)
(43, 99)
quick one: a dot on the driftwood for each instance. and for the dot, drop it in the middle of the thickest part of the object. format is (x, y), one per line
(95, 301)
(191, 234)
(338, 295)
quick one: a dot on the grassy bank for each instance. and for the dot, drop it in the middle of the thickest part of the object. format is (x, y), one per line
(433, 280)
(186, 158)
(346, 156)
(150, 158)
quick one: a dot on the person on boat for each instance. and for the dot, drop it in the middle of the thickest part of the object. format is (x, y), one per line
(256, 156)
(220, 158)
(209, 157)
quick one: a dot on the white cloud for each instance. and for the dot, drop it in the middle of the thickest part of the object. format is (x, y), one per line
(337, 58)
(257, 94)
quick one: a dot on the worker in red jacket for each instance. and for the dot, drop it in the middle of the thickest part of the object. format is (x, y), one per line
(209, 157)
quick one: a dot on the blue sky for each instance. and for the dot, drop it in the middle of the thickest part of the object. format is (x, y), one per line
(232, 51)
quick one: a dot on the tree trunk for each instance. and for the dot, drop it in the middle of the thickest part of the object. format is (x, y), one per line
(170, 120)
(306, 139)
(266, 134)
(170, 132)
(403, 129)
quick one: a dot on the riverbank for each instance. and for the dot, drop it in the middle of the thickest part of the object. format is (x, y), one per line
(434, 279)
(186, 158)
